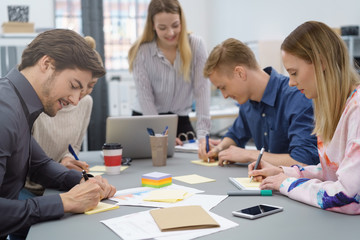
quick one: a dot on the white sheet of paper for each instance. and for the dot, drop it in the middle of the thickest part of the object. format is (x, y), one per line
(141, 225)
(188, 147)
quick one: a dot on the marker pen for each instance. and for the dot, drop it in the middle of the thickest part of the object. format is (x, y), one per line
(251, 193)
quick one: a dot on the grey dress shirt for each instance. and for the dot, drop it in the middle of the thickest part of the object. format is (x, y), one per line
(20, 155)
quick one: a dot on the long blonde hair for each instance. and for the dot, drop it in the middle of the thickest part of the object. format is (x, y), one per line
(335, 77)
(168, 6)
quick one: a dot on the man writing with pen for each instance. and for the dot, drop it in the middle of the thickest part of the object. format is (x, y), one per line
(56, 69)
(272, 114)
(69, 126)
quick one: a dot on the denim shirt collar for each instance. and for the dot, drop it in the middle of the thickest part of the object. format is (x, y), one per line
(272, 87)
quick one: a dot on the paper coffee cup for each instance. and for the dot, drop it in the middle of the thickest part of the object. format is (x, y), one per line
(159, 145)
(112, 157)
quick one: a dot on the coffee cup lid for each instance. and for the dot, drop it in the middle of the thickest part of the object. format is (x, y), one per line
(111, 146)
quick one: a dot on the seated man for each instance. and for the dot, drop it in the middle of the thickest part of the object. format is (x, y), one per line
(56, 69)
(276, 116)
(69, 126)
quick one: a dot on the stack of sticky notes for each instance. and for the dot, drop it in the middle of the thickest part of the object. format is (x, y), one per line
(156, 179)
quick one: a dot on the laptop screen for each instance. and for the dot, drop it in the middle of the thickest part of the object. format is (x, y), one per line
(131, 132)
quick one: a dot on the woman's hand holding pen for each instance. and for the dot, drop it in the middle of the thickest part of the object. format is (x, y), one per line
(270, 176)
(71, 163)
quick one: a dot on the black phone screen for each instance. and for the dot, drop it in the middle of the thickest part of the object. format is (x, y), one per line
(258, 209)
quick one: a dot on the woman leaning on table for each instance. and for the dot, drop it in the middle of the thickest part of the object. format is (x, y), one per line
(167, 65)
(318, 63)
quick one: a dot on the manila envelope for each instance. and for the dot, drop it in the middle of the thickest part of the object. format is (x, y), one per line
(182, 218)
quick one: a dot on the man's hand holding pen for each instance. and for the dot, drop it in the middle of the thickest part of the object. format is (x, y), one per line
(86, 196)
(213, 150)
(88, 193)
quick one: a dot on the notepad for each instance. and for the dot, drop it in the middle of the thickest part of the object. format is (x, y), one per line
(183, 218)
(204, 163)
(244, 183)
(193, 179)
(102, 207)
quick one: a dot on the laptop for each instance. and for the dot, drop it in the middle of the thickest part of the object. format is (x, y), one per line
(131, 132)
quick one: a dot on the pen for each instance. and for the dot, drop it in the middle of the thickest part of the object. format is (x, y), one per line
(85, 176)
(165, 131)
(251, 193)
(258, 161)
(150, 131)
(207, 146)
(71, 150)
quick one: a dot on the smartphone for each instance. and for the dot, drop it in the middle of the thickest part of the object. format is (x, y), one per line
(257, 211)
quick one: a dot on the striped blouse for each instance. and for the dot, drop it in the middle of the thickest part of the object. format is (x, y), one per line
(161, 87)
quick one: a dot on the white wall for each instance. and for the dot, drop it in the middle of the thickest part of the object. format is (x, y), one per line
(254, 20)
(196, 14)
(216, 20)
(41, 12)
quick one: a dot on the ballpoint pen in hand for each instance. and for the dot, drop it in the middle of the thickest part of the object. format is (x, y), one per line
(258, 161)
(71, 150)
(207, 146)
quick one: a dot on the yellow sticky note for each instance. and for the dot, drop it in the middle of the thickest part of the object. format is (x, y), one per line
(102, 207)
(247, 184)
(193, 179)
(167, 195)
(100, 168)
(97, 168)
(210, 164)
(123, 168)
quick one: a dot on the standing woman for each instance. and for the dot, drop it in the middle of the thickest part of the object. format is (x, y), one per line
(318, 63)
(167, 65)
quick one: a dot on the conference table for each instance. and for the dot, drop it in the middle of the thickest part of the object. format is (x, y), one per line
(296, 221)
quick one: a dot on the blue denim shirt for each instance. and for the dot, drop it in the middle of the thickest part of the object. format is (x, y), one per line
(281, 122)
